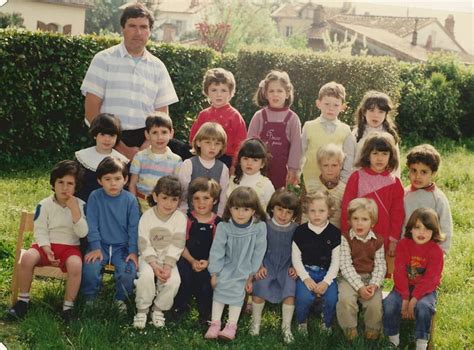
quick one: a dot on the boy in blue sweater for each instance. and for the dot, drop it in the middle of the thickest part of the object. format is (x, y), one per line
(112, 216)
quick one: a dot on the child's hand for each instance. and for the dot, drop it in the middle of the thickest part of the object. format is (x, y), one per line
(310, 284)
(292, 273)
(391, 248)
(292, 178)
(364, 292)
(249, 285)
(261, 273)
(405, 308)
(93, 256)
(203, 264)
(134, 258)
(372, 288)
(321, 288)
(213, 281)
(49, 253)
(196, 266)
(411, 308)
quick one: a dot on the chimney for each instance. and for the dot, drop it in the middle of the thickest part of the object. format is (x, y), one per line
(449, 25)
(415, 33)
(346, 6)
(318, 15)
(429, 43)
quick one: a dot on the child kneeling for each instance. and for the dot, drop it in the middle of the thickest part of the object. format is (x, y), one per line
(363, 269)
(161, 238)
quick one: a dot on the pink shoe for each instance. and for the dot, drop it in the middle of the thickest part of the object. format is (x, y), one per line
(228, 333)
(213, 331)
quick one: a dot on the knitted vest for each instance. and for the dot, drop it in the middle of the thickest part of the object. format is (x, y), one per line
(200, 170)
(363, 253)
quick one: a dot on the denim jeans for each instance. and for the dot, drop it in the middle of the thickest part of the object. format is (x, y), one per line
(305, 297)
(424, 311)
(125, 273)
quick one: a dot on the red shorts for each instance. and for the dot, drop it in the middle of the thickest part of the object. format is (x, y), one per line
(62, 252)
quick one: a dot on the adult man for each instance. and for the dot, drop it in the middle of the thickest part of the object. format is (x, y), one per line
(128, 81)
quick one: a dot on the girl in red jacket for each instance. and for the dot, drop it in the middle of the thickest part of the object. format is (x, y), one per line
(418, 268)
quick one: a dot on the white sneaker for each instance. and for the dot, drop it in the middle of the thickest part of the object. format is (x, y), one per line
(325, 329)
(288, 336)
(254, 329)
(303, 328)
(158, 319)
(121, 306)
(139, 320)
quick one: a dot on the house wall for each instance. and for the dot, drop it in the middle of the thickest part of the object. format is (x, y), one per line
(441, 40)
(184, 22)
(61, 15)
(298, 25)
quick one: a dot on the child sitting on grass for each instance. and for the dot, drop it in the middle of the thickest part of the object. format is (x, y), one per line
(59, 223)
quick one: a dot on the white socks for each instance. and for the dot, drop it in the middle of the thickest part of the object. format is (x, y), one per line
(234, 313)
(24, 297)
(217, 310)
(421, 344)
(394, 339)
(257, 310)
(67, 305)
(286, 316)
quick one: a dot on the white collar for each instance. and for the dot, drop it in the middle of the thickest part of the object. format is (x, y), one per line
(90, 158)
(317, 229)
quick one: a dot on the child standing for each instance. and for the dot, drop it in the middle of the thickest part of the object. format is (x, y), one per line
(236, 255)
(423, 164)
(161, 242)
(275, 280)
(418, 269)
(278, 127)
(375, 180)
(112, 216)
(105, 130)
(155, 161)
(363, 271)
(59, 223)
(200, 230)
(219, 88)
(315, 257)
(374, 114)
(208, 145)
(251, 170)
(327, 129)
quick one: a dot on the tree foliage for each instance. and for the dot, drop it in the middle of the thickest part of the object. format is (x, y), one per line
(104, 16)
(11, 20)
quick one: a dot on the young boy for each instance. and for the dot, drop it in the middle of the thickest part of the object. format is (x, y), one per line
(59, 223)
(219, 88)
(112, 216)
(201, 226)
(327, 129)
(363, 270)
(423, 163)
(161, 242)
(150, 164)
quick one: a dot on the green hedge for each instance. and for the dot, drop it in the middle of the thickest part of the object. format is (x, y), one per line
(41, 109)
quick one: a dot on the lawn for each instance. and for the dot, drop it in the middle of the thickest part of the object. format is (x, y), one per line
(101, 326)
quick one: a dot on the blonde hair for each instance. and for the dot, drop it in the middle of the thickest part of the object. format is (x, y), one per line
(332, 89)
(363, 204)
(320, 195)
(260, 99)
(209, 131)
(330, 151)
(244, 197)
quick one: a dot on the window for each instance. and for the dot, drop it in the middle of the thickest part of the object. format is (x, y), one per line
(289, 31)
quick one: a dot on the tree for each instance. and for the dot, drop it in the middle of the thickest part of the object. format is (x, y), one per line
(11, 20)
(104, 16)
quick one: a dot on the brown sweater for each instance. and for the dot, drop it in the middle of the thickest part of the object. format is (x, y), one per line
(363, 253)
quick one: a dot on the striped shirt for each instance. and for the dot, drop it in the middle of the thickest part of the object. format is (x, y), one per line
(150, 167)
(130, 88)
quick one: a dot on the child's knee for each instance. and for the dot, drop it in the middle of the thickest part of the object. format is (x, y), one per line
(74, 265)
(30, 258)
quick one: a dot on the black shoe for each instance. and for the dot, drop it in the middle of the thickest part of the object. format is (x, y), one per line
(19, 310)
(66, 315)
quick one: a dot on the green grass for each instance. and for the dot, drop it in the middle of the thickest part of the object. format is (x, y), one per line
(102, 327)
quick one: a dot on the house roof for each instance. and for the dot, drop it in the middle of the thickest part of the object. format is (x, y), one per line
(181, 6)
(294, 10)
(75, 3)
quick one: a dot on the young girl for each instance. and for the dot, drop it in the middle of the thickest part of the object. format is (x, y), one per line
(251, 168)
(236, 255)
(373, 114)
(315, 257)
(375, 180)
(278, 127)
(418, 268)
(208, 145)
(161, 239)
(275, 280)
(105, 129)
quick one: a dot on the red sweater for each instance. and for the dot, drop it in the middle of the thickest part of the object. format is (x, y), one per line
(387, 191)
(419, 266)
(231, 121)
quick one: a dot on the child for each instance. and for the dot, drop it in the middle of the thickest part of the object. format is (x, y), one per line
(208, 145)
(150, 164)
(418, 268)
(236, 255)
(59, 223)
(315, 257)
(275, 280)
(327, 129)
(219, 88)
(423, 163)
(200, 230)
(363, 271)
(251, 169)
(105, 129)
(373, 114)
(161, 242)
(375, 180)
(278, 127)
(112, 216)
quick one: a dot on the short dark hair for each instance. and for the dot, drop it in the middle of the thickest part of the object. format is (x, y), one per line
(218, 76)
(429, 218)
(158, 119)
(168, 185)
(106, 123)
(251, 148)
(66, 167)
(135, 11)
(286, 199)
(425, 154)
(111, 165)
(381, 142)
(204, 184)
(244, 197)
